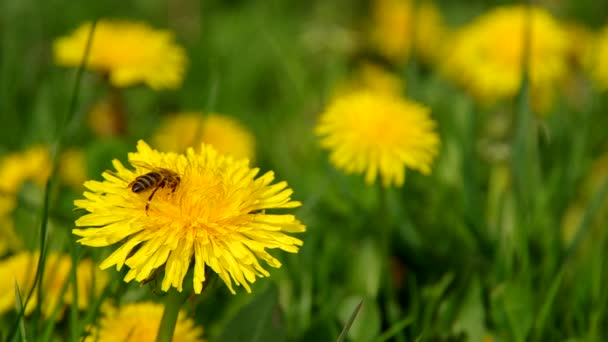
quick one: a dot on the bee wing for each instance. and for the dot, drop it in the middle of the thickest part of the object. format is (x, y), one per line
(142, 164)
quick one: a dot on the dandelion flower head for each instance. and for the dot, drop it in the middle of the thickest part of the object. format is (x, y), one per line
(21, 268)
(129, 52)
(32, 164)
(395, 22)
(215, 217)
(226, 134)
(375, 133)
(73, 168)
(486, 56)
(139, 322)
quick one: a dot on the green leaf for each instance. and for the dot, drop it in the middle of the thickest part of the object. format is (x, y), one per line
(470, 319)
(366, 269)
(512, 310)
(260, 320)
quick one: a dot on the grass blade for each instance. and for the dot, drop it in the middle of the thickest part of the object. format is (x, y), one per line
(350, 321)
(395, 329)
(19, 307)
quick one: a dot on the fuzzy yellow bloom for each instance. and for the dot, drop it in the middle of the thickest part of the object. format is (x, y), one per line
(128, 52)
(486, 56)
(21, 268)
(227, 135)
(370, 76)
(375, 133)
(73, 168)
(598, 60)
(32, 164)
(201, 208)
(398, 24)
(139, 322)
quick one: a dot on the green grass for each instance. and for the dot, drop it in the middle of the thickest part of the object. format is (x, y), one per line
(454, 256)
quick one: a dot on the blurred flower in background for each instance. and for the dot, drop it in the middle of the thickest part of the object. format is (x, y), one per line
(139, 322)
(486, 56)
(598, 60)
(209, 212)
(398, 26)
(374, 133)
(32, 164)
(190, 129)
(128, 52)
(21, 268)
(73, 168)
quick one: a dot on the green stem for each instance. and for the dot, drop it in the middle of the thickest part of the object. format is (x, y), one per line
(393, 311)
(167, 324)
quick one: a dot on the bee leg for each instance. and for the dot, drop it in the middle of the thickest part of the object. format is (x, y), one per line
(160, 185)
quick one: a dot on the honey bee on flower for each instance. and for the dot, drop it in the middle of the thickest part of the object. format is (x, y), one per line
(205, 210)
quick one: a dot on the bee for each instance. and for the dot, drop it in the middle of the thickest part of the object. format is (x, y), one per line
(156, 179)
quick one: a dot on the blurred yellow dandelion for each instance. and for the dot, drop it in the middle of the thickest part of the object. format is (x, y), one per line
(73, 168)
(32, 164)
(486, 56)
(399, 24)
(225, 134)
(598, 60)
(21, 268)
(376, 133)
(213, 215)
(139, 322)
(128, 52)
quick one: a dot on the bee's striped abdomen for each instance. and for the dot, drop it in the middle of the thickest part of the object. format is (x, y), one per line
(145, 182)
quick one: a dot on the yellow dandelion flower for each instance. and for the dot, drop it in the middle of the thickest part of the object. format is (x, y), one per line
(21, 268)
(225, 134)
(9, 241)
(597, 60)
(73, 168)
(32, 164)
(486, 56)
(199, 207)
(139, 322)
(398, 24)
(370, 76)
(128, 52)
(375, 133)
